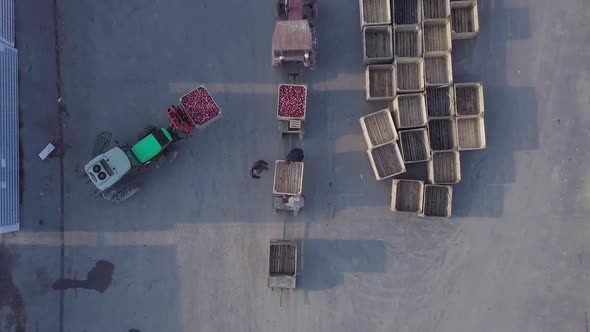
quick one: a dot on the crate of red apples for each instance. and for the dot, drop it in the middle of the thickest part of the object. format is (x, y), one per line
(292, 102)
(200, 106)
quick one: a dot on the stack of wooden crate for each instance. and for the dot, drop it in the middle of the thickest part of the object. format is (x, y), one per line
(408, 61)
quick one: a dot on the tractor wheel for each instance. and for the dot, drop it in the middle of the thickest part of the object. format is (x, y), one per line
(177, 136)
(102, 143)
(150, 129)
(168, 156)
(171, 156)
(120, 194)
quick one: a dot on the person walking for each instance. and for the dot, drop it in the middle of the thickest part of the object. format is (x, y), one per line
(257, 168)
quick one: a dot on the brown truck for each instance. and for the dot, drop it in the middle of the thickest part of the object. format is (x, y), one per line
(294, 38)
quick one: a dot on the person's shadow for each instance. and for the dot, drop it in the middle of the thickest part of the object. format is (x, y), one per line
(99, 278)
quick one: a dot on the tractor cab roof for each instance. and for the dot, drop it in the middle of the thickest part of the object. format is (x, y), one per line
(151, 145)
(106, 169)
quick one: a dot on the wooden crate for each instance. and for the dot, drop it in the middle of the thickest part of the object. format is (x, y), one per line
(288, 179)
(469, 99)
(445, 167)
(386, 160)
(282, 264)
(380, 82)
(434, 9)
(375, 12)
(410, 75)
(464, 19)
(407, 11)
(407, 196)
(408, 41)
(440, 101)
(410, 111)
(377, 44)
(443, 134)
(437, 36)
(438, 201)
(378, 128)
(438, 68)
(471, 133)
(415, 145)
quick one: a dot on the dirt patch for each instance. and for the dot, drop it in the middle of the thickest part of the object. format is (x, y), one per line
(10, 295)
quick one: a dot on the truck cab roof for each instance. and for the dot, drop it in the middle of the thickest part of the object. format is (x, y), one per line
(292, 36)
(151, 145)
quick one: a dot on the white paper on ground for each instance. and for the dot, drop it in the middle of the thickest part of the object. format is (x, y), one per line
(48, 149)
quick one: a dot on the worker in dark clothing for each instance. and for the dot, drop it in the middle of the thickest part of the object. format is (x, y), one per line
(295, 155)
(257, 168)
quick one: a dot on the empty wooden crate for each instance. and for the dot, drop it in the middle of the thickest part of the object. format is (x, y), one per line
(434, 9)
(445, 167)
(469, 99)
(408, 41)
(386, 160)
(440, 101)
(288, 178)
(377, 44)
(282, 264)
(464, 19)
(415, 145)
(443, 134)
(409, 111)
(378, 128)
(407, 196)
(410, 75)
(471, 134)
(438, 67)
(407, 11)
(380, 82)
(438, 200)
(437, 36)
(375, 12)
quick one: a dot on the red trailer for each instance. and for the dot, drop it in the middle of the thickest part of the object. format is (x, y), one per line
(197, 109)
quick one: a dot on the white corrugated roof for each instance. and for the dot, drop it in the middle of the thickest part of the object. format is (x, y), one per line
(7, 22)
(9, 140)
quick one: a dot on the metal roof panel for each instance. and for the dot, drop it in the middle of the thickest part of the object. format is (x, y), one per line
(9, 140)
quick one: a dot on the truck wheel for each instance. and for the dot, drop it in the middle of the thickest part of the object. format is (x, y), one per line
(311, 10)
(280, 9)
(120, 194)
(316, 10)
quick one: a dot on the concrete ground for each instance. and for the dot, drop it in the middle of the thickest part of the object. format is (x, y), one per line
(190, 251)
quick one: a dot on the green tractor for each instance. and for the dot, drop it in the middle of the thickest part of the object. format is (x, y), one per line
(110, 170)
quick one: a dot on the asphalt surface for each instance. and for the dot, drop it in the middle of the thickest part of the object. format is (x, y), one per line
(189, 252)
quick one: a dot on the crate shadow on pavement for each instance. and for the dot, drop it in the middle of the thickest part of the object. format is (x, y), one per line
(325, 263)
(510, 111)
